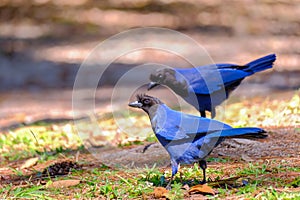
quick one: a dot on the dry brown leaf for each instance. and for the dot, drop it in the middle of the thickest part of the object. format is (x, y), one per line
(160, 192)
(29, 163)
(63, 183)
(204, 189)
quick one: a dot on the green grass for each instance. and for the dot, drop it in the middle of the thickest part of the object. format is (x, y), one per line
(272, 194)
(137, 183)
(218, 160)
(32, 192)
(253, 169)
(41, 141)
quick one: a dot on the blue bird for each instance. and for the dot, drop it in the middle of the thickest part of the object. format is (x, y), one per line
(187, 138)
(207, 86)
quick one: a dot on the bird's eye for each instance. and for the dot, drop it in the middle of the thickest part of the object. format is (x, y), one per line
(160, 76)
(146, 101)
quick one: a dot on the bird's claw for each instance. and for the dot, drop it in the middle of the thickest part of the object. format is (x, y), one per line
(168, 187)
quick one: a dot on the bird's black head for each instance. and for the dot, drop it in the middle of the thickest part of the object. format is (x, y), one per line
(145, 102)
(167, 77)
(162, 76)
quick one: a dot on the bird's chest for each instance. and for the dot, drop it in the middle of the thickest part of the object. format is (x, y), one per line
(155, 126)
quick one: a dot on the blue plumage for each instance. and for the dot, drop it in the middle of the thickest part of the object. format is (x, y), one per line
(188, 138)
(207, 86)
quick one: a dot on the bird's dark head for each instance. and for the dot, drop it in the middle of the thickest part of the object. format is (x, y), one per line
(145, 102)
(162, 76)
(168, 77)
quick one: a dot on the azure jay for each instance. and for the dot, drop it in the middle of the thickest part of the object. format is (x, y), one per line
(187, 138)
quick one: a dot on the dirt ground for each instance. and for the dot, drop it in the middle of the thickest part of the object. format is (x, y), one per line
(282, 142)
(281, 148)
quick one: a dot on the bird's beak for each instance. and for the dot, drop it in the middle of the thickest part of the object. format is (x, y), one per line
(152, 85)
(135, 104)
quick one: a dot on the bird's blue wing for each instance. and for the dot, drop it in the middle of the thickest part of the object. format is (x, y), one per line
(175, 125)
(167, 124)
(211, 78)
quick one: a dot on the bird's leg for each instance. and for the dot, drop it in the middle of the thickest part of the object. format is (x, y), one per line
(174, 171)
(203, 166)
(202, 113)
(168, 187)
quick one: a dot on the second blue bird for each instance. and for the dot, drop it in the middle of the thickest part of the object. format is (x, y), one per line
(207, 86)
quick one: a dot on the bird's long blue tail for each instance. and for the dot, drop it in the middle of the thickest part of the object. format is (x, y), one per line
(261, 64)
(250, 133)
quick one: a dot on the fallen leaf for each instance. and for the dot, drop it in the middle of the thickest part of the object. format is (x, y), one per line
(29, 163)
(204, 189)
(63, 183)
(160, 192)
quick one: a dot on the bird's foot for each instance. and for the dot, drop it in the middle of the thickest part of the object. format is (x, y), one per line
(168, 187)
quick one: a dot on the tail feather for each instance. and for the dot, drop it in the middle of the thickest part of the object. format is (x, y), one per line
(247, 133)
(261, 64)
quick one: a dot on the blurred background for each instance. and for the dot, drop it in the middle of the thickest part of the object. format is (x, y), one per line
(44, 42)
